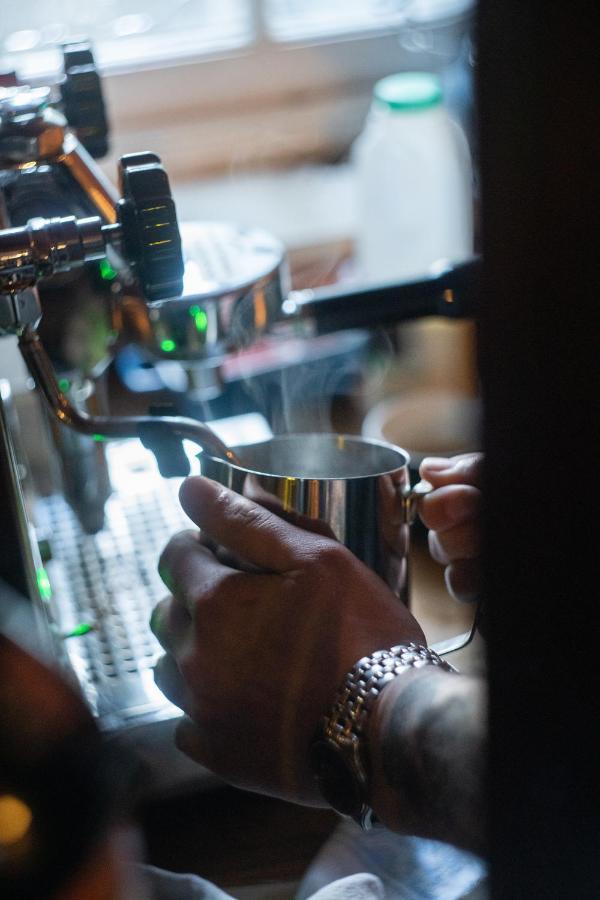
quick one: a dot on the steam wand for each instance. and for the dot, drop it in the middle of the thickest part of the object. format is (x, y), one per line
(150, 429)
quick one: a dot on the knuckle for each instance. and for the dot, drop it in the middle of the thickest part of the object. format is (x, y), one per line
(475, 464)
(178, 543)
(229, 587)
(329, 553)
(469, 468)
(216, 596)
(244, 512)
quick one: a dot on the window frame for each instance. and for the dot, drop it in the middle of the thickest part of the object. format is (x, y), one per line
(253, 106)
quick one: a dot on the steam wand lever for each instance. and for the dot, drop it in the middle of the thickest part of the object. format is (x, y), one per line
(107, 427)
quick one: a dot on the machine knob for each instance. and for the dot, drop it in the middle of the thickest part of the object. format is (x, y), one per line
(148, 220)
(82, 99)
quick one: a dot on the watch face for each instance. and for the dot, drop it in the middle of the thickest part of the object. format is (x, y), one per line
(337, 782)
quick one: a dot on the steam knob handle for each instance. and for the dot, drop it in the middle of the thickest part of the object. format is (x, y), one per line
(148, 220)
(82, 98)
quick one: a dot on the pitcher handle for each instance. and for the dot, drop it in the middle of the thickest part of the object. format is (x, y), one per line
(412, 497)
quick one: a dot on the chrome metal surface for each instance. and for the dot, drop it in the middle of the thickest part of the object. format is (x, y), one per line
(235, 282)
(99, 190)
(19, 310)
(16, 528)
(30, 129)
(353, 489)
(108, 582)
(105, 427)
(323, 456)
(47, 247)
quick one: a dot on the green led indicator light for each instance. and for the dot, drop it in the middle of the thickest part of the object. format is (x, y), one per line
(167, 346)
(43, 583)
(107, 273)
(64, 384)
(200, 318)
(79, 630)
(99, 438)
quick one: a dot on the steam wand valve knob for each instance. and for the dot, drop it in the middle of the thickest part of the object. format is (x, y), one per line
(148, 221)
(82, 98)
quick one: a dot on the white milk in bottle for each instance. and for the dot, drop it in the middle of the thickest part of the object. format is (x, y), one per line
(413, 182)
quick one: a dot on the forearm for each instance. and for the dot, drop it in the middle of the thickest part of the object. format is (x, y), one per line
(427, 743)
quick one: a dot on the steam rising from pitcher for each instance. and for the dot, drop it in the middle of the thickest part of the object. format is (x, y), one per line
(326, 379)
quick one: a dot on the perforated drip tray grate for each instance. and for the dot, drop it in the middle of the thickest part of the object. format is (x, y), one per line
(110, 582)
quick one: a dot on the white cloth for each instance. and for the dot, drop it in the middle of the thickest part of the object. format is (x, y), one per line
(361, 886)
(409, 868)
(163, 885)
(358, 865)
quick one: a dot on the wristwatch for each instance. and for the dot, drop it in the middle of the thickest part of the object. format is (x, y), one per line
(338, 755)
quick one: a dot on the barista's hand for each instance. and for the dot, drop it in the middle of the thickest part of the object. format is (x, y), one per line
(452, 513)
(255, 657)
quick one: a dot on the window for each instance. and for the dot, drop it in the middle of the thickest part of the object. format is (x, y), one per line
(126, 33)
(214, 83)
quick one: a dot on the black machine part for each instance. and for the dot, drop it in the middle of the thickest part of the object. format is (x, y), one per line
(146, 235)
(82, 98)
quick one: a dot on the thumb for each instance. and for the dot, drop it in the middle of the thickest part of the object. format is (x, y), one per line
(245, 528)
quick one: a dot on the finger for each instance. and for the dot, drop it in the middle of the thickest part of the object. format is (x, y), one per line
(208, 542)
(463, 580)
(224, 556)
(169, 680)
(190, 569)
(449, 506)
(462, 542)
(170, 622)
(233, 561)
(193, 537)
(244, 527)
(463, 469)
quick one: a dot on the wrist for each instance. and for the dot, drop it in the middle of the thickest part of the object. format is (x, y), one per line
(339, 755)
(427, 747)
(392, 805)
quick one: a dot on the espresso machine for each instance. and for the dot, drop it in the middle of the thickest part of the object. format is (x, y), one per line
(127, 324)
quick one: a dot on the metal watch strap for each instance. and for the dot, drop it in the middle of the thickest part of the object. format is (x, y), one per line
(345, 724)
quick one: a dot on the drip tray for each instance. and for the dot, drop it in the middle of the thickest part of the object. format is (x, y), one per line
(109, 582)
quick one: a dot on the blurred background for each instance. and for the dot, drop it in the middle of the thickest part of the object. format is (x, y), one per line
(255, 107)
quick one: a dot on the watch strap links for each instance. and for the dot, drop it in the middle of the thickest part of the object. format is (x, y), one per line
(344, 727)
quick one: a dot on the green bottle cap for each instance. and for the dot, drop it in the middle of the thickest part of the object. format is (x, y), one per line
(408, 91)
